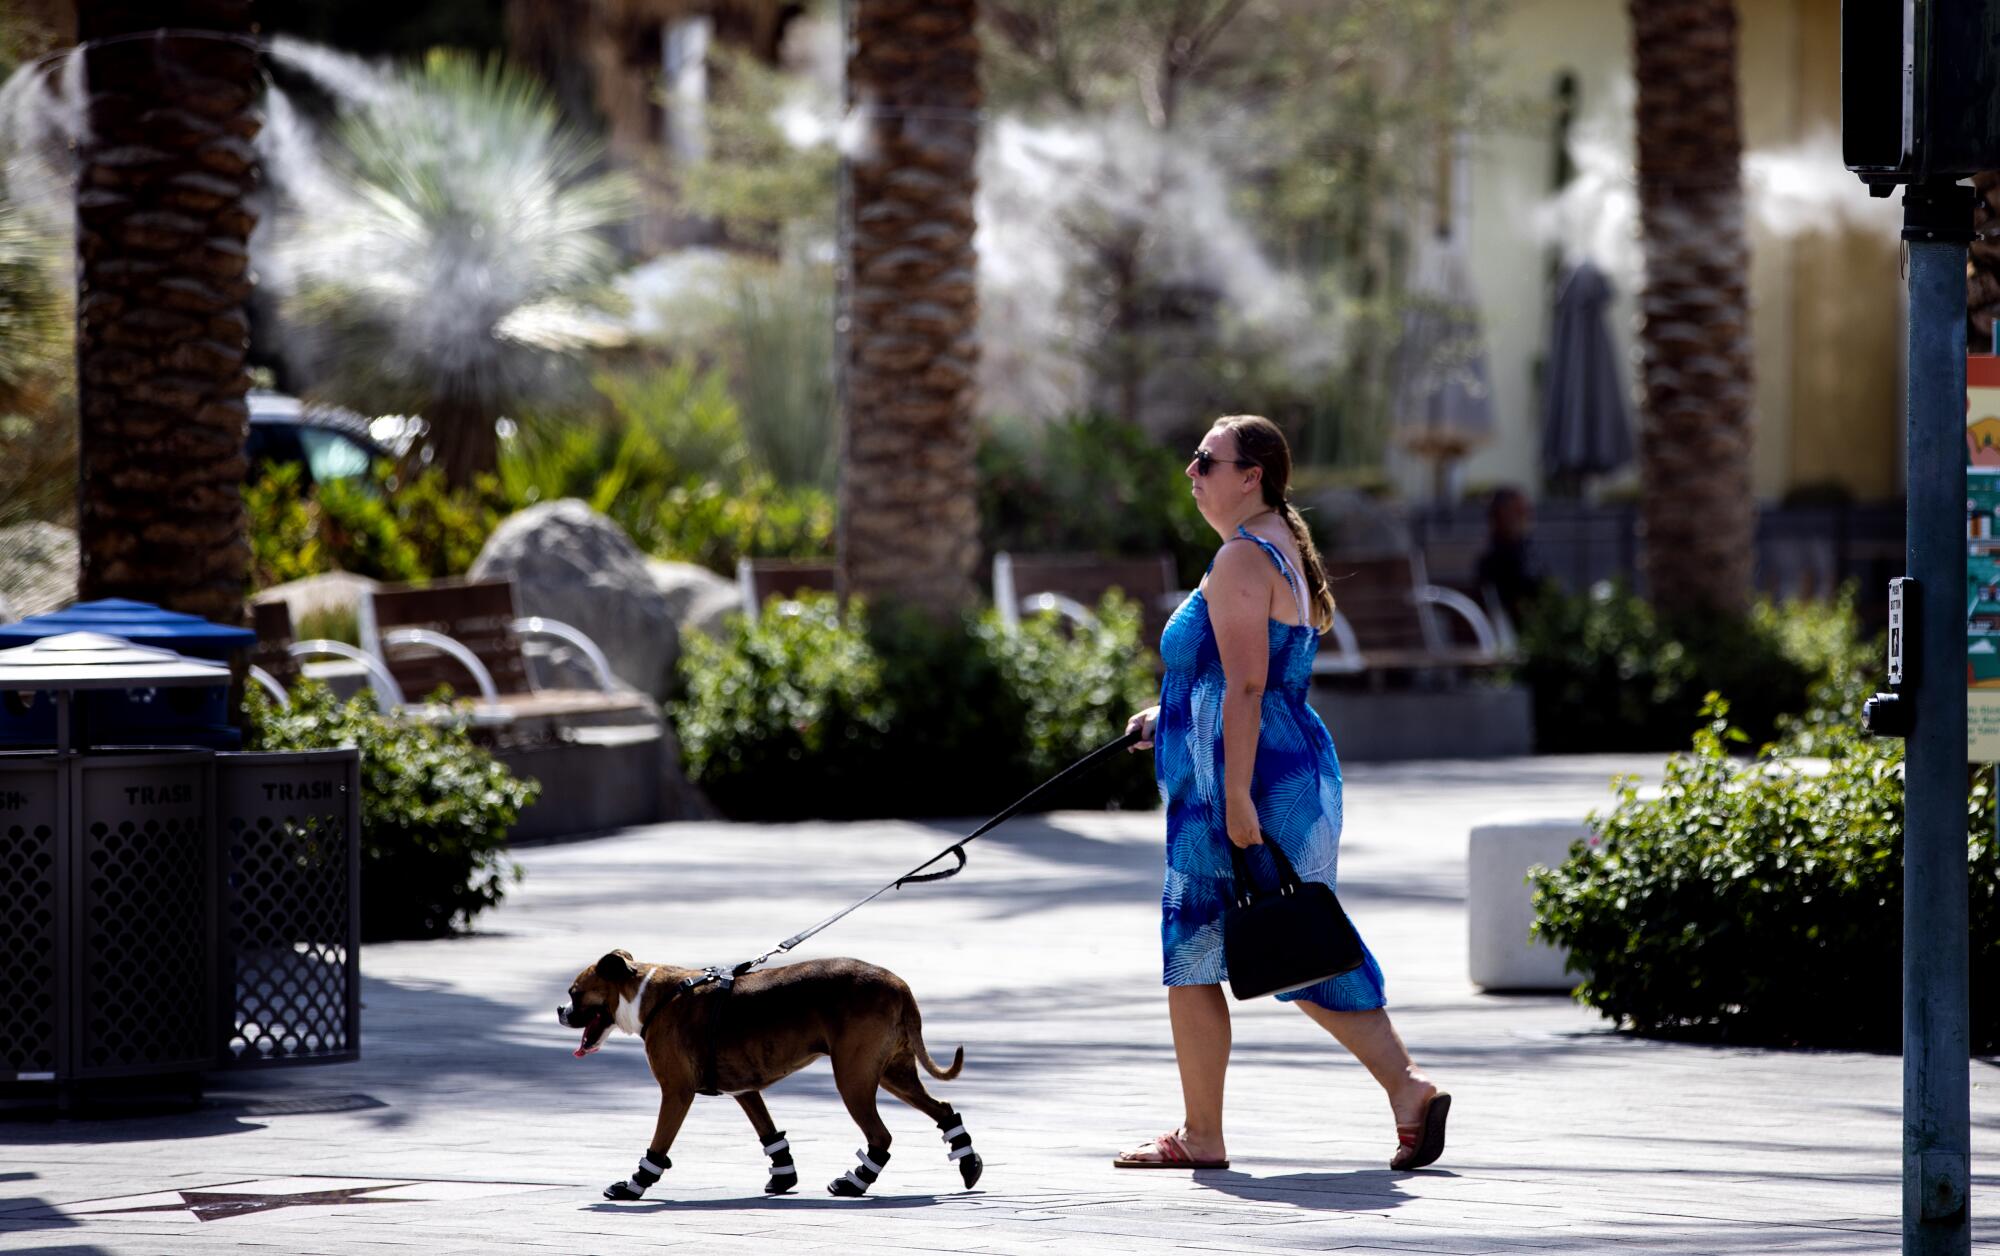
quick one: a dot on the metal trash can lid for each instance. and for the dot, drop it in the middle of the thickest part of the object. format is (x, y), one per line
(140, 622)
(95, 660)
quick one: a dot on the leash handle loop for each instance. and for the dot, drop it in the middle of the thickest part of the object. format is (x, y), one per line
(957, 848)
(914, 877)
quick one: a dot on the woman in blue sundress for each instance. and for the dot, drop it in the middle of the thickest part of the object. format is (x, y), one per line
(1243, 759)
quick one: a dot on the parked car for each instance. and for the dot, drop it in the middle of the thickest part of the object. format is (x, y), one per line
(327, 442)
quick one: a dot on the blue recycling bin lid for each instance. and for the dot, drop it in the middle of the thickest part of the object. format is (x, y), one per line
(140, 622)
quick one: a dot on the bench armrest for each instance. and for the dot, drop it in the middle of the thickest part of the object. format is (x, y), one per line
(537, 626)
(445, 645)
(388, 694)
(1068, 607)
(272, 687)
(1452, 600)
(1346, 656)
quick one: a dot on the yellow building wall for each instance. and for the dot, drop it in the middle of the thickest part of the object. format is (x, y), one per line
(1825, 305)
(1848, 313)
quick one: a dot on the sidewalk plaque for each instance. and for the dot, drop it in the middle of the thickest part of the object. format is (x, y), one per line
(1982, 557)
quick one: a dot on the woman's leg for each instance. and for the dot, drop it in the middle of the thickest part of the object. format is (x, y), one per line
(1200, 1017)
(1375, 1042)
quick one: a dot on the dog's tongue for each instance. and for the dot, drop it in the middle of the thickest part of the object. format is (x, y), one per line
(586, 1046)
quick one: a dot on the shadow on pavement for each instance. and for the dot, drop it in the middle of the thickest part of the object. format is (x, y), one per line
(40, 1126)
(1359, 1190)
(772, 1203)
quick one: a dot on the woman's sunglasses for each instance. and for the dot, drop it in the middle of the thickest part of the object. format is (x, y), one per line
(1204, 462)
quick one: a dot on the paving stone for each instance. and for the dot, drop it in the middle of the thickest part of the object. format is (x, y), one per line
(1042, 960)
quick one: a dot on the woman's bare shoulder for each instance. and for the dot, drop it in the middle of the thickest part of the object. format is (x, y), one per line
(1238, 565)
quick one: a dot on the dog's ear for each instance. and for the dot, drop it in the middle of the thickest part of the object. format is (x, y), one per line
(617, 966)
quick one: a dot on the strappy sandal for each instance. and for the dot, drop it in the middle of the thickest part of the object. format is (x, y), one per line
(1173, 1155)
(1423, 1142)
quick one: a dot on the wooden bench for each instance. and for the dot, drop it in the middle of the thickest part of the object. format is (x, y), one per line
(761, 579)
(1073, 585)
(276, 662)
(1387, 620)
(451, 632)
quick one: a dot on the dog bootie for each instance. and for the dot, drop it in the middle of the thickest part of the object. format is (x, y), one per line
(855, 1182)
(970, 1166)
(649, 1171)
(784, 1174)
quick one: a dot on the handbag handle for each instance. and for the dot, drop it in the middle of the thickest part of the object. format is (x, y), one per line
(1246, 885)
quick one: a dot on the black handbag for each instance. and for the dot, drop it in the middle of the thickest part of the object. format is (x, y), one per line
(1286, 938)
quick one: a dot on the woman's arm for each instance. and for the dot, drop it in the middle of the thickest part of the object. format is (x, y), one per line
(1239, 610)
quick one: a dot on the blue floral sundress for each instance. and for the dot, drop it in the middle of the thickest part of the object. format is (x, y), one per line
(1296, 787)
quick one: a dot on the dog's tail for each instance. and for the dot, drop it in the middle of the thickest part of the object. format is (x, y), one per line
(913, 1029)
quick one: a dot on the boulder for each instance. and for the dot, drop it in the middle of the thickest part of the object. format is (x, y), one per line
(572, 564)
(39, 567)
(697, 599)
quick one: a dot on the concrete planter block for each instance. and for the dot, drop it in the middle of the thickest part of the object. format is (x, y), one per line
(1500, 904)
(1467, 721)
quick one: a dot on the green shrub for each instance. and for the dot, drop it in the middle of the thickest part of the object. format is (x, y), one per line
(667, 459)
(284, 528)
(1762, 901)
(388, 526)
(435, 809)
(444, 527)
(713, 525)
(783, 719)
(1609, 674)
(807, 714)
(360, 533)
(1068, 689)
(1089, 484)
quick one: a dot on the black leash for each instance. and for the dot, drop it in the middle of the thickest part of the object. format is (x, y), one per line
(727, 977)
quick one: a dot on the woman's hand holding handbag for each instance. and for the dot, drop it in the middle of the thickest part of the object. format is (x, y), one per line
(1286, 938)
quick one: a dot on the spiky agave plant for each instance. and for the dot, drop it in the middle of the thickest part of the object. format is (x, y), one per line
(450, 256)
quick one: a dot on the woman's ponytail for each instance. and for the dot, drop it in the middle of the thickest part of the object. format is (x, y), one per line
(1317, 588)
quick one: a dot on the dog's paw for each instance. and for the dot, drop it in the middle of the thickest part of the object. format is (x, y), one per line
(969, 1168)
(622, 1191)
(781, 1182)
(845, 1188)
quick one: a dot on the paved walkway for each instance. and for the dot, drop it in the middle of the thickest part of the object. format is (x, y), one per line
(469, 1128)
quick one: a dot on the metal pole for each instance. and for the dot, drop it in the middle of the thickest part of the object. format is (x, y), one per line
(1937, 224)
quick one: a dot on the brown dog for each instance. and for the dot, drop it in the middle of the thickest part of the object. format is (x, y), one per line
(714, 1038)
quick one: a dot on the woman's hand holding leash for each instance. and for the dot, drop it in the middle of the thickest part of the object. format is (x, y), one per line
(1142, 724)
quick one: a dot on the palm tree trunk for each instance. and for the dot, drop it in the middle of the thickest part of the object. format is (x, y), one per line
(1698, 517)
(162, 279)
(909, 350)
(463, 438)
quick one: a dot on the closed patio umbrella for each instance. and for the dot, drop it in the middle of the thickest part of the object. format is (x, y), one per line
(1586, 422)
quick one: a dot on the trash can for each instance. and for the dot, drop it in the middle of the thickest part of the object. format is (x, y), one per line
(141, 714)
(167, 909)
